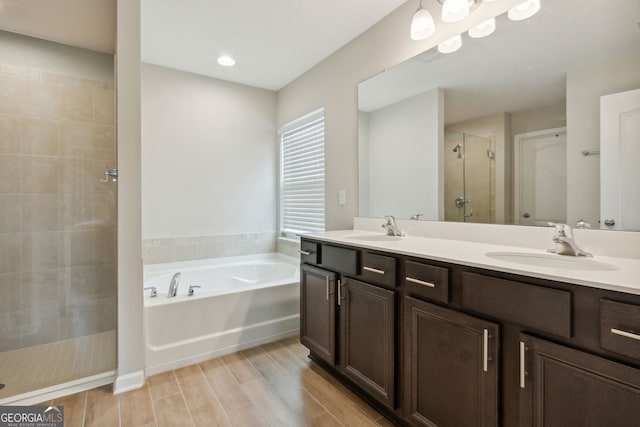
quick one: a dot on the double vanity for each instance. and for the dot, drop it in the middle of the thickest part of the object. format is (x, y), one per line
(444, 332)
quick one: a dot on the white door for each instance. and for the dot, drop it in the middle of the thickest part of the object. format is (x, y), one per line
(620, 160)
(541, 177)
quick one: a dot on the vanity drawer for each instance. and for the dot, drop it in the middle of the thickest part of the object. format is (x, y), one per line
(539, 307)
(427, 281)
(379, 269)
(343, 260)
(309, 252)
(620, 328)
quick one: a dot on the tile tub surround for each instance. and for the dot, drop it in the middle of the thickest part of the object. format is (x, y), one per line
(57, 221)
(174, 249)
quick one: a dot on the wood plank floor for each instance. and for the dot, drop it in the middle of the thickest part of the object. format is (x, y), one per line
(272, 385)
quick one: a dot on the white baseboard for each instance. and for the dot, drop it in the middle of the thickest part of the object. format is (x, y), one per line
(128, 382)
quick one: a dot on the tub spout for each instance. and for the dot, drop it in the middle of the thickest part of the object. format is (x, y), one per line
(173, 287)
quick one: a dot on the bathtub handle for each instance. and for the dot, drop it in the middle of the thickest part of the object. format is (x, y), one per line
(191, 289)
(154, 291)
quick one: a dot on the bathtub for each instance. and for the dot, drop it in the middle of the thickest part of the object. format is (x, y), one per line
(242, 302)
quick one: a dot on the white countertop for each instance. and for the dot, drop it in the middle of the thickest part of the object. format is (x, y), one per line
(625, 277)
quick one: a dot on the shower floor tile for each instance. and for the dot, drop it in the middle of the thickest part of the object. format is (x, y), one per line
(34, 368)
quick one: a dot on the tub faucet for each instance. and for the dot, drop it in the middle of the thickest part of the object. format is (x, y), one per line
(391, 226)
(565, 245)
(173, 287)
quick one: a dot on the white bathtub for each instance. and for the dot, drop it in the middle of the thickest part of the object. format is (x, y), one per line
(242, 302)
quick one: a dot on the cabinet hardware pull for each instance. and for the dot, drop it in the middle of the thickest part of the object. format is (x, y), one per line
(304, 252)
(625, 334)
(420, 282)
(522, 371)
(373, 270)
(339, 292)
(327, 287)
(485, 354)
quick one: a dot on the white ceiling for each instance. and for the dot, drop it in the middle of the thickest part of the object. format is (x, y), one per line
(89, 24)
(272, 41)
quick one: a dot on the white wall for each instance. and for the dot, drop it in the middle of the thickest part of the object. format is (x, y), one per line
(405, 148)
(584, 88)
(209, 156)
(130, 331)
(54, 57)
(333, 84)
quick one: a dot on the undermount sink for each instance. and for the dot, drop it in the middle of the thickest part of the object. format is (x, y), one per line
(552, 261)
(373, 237)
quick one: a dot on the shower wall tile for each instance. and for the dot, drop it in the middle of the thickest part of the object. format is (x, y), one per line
(10, 291)
(57, 220)
(42, 99)
(10, 213)
(9, 134)
(76, 102)
(10, 252)
(40, 251)
(40, 212)
(155, 251)
(9, 174)
(12, 90)
(39, 175)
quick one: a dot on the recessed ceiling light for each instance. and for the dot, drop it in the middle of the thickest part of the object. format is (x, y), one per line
(226, 61)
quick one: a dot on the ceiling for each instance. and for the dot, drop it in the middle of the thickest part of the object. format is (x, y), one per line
(272, 41)
(89, 24)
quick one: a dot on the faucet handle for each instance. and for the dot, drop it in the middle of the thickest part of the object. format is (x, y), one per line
(154, 291)
(561, 229)
(191, 288)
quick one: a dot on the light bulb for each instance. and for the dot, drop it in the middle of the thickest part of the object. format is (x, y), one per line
(422, 25)
(455, 10)
(450, 45)
(483, 29)
(226, 61)
(524, 10)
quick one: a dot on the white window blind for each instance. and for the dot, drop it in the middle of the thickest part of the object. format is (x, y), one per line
(302, 175)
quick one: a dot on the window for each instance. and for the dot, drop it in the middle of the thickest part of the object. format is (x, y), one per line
(302, 175)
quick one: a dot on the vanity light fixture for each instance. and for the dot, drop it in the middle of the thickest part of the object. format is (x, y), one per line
(422, 25)
(483, 29)
(450, 45)
(226, 61)
(524, 10)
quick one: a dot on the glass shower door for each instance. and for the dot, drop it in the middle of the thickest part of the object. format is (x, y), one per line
(469, 178)
(57, 228)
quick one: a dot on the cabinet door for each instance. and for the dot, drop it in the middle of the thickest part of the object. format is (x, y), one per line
(564, 387)
(318, 312)
(368, 338)
(451, 367)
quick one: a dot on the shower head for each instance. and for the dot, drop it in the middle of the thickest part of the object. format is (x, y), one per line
(458, 149)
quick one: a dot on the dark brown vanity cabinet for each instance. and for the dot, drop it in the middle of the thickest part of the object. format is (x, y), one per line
(349, 323)
(442, 344)
(318, 311)
(451, 367)
(561, 387)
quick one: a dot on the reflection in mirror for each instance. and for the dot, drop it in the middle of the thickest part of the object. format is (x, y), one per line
(523, 104)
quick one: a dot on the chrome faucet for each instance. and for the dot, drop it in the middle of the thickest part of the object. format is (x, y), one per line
(391, 226)
(416, 217)
(173, 287)
(565, 245)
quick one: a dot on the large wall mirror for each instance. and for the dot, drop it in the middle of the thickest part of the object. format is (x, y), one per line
(538, 122)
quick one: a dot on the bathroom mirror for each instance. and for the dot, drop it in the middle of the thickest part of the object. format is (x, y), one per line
(505, 130)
